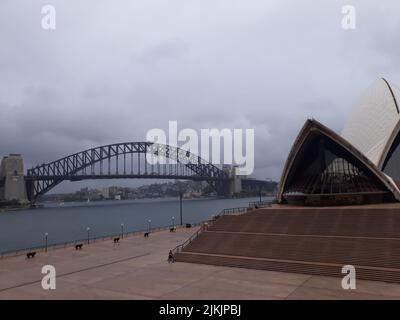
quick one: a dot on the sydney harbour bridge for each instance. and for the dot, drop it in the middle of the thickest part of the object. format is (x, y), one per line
(129, 160)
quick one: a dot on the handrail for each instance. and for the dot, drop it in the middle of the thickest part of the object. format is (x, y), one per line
(230, 211)
(208, 223)
(180, 247)
(227, 211)
(266, 203)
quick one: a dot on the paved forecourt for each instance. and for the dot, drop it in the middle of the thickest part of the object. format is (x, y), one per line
(137, 268)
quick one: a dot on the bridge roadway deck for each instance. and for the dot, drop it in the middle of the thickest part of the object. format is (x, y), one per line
(137, 269)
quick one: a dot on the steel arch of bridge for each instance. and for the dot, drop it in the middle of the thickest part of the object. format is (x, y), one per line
(75, 167)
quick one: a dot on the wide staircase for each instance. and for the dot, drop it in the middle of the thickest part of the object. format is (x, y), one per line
(308, 240)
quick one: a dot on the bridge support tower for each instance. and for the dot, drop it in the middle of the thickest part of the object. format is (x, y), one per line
(12, 181)
(233, 185)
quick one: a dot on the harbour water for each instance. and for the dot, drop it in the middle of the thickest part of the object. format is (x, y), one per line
(69, 222)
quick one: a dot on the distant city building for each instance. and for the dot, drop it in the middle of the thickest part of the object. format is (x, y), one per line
(105, 193)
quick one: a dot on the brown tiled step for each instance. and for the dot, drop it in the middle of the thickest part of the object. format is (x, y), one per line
(354, 222)
(310, 241)
(356, 251)
(377, 274)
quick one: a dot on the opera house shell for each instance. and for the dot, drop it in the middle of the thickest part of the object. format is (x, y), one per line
(360, 166)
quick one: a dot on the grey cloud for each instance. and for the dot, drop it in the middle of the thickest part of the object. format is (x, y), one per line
(113, 70)
(173, 49)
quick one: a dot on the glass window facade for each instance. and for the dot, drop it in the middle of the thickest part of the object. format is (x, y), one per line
(391, 165)
(324, 167)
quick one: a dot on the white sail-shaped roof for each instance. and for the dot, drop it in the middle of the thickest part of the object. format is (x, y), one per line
(374, 120)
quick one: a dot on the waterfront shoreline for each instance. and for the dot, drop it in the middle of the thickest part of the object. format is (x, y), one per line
(57, 246)
(11, 209)
(21, 229)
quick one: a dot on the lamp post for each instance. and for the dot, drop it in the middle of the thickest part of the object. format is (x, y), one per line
(180, 207)
(173, 222)
(122, 230)
(149, 225)
(259, 192)
(45, 241)
(88, 234)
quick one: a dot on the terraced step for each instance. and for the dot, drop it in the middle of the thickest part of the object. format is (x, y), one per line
(357, 251)
(309, 241)
(289, 267)
(383, 222)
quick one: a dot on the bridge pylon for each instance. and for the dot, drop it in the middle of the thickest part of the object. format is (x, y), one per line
(12, 182)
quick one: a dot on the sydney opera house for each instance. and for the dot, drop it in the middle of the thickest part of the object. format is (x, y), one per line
(338, 203)
(359, 166)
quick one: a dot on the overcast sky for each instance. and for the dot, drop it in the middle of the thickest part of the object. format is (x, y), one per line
(112, 70)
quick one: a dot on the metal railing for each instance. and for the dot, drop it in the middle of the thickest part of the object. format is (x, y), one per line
(60, 245)
(232, 211)
(207, 224)
(260, 204)
(180, 247)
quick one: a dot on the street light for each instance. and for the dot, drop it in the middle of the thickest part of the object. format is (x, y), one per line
(180, 206)
(122, 230)
(149, 226)
(45, 237)
(88, 234)
(173, 222)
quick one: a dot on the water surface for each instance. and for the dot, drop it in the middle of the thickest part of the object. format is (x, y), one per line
(68, 222)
